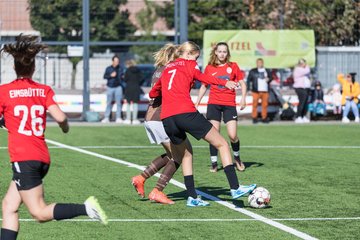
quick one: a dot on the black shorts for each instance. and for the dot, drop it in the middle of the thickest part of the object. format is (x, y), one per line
(194, 123)
(29, 174)
(214, 112)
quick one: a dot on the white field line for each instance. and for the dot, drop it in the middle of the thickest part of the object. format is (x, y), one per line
(208, 196)
(202, 219)
(150, 147)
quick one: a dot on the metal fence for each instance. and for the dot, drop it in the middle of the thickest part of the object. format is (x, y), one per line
(334, 60)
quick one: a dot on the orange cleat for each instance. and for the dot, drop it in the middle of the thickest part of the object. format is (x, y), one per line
(138, 182)
(159, 197)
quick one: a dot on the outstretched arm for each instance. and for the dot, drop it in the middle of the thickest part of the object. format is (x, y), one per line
(213, 80)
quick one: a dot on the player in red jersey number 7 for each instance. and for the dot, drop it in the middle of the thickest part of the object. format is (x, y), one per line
(23, 104)
(180, 116)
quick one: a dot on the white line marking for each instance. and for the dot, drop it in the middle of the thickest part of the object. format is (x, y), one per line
(150, 147)
(208, 196)
(200, 219)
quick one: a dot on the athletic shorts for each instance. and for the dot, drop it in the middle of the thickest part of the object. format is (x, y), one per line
(29, 174)
(156, 132)
(214, 112)
(194, 123)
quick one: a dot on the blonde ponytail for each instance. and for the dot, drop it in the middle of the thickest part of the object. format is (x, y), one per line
(165, 55)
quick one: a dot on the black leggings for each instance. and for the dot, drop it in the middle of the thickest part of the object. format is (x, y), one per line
(303, 94)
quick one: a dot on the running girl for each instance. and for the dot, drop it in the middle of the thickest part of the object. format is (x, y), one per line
(24, 104)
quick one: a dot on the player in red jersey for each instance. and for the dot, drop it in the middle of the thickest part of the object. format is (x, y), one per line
(222, 101)
(180, 116)
(23, 104)
(156, 134)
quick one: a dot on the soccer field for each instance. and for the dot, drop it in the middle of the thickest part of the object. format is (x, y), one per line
(311, 171)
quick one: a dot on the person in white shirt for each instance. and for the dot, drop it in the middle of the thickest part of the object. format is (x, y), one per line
(258, 82)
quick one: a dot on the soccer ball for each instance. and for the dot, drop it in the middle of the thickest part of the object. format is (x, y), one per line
(259, 198)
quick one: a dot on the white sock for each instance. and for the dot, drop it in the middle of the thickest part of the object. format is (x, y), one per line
(213, 159)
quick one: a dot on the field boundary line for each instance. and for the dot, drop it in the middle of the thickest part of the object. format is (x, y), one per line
(198, 219)
(268, 221)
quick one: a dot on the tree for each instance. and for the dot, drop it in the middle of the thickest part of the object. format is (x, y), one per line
(61, 20)
(334, 22)
(204, 14)
(146, 19)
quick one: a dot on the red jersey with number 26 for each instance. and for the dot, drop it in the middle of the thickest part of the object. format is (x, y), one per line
(175, 84)
(23, 103)
(218, 94)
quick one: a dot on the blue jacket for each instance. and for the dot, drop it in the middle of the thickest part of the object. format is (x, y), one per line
(113, 82)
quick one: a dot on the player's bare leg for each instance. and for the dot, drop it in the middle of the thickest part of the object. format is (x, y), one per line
(213, 150)
(184, 151)
(34, 201)
(231, 127)
(213, 137)
(10, 215)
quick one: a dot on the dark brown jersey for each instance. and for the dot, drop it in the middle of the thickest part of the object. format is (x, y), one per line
(154, 108)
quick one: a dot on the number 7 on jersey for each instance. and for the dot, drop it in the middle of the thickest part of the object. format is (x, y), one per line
(173, 72)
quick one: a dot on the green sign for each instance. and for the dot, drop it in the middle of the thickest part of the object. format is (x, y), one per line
(278, 48)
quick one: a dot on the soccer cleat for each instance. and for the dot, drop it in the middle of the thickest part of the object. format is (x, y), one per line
(138, 182)
(94, 210)
(240, 166)
(160, 197)
(214, 167)
(196, 202)
(242, 191)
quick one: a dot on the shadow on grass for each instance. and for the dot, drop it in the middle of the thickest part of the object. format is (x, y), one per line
(247, 165)
(217, 192)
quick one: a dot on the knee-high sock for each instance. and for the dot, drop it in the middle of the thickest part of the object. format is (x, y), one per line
(190, 186)
(231, 176)
(236, 148)
(155, 166)
(169, 170)
(213, 153)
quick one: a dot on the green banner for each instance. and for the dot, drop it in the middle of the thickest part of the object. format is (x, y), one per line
(278, 48)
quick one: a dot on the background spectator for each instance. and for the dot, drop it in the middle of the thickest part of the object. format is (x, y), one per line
(302, 85)
(258, 82)
(133, 79)
(114, 92)
(350, 93)
(335, 94)
(317, 105)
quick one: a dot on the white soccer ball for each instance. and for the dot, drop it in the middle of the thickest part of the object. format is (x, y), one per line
(259, 198)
